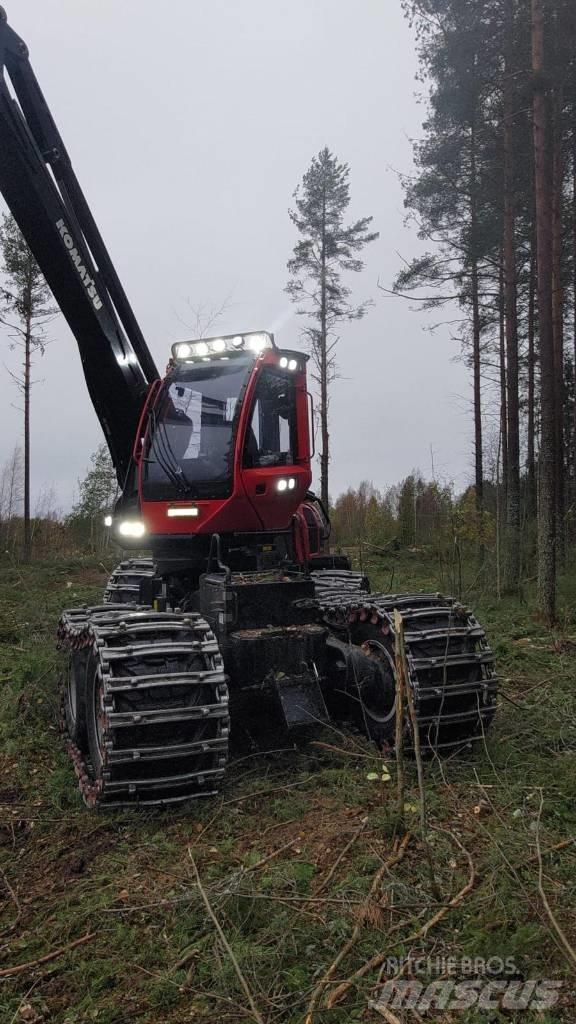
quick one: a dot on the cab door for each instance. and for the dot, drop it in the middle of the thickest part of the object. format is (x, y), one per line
(275, 458)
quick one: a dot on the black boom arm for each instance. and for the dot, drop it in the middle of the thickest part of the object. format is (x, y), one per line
(43, 194)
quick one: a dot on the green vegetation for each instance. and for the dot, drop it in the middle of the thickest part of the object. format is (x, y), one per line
(288, 852)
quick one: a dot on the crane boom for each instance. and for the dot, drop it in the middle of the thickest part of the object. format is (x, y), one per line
(45, 198)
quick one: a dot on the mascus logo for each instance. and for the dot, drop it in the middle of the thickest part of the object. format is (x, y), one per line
(76, 258)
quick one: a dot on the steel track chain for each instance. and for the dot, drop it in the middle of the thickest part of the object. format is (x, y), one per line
(160, 723)
(450, 664)
(123, 587)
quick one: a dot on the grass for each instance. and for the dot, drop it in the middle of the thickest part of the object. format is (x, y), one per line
(266, 847)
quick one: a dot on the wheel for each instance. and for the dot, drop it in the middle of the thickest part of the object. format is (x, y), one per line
(378, 716)
(94, 716)
(75, 699)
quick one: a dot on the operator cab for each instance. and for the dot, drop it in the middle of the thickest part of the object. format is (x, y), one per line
(223, 444)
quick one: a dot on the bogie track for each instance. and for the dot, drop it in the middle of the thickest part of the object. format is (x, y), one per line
(123, 587)
(145, 701)
(450, 664)
(156, 720)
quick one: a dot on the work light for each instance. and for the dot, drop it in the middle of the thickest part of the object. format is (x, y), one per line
(220, 348)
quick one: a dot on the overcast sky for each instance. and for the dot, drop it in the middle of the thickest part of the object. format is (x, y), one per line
(189, 125)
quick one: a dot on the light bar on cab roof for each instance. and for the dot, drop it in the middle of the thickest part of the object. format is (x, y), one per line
(222, 347)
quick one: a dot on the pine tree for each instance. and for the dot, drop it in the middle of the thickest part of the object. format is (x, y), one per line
(548, 463)
(325, 249)
(452, 198)
(495, 195)
(26, 311)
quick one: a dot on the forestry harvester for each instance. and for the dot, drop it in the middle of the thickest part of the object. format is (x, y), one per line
(240, 609)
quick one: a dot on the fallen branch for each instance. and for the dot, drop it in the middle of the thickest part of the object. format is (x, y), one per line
(376, 961)
(401, 685)
(265, 792)
(401, 661)
(255, 1011)
(16, 901)
(386, 1013)
(7, 972)
(562, 845)
(270, 856)
(395, 857)
(346, 753)
(341, 856)
(568, 949)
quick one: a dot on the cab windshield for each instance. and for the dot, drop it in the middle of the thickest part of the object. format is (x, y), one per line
(192, 430)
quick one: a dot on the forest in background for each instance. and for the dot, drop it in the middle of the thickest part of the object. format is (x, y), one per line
(493, 198)
(411, 514)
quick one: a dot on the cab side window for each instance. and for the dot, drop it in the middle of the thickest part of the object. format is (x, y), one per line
(271, 437)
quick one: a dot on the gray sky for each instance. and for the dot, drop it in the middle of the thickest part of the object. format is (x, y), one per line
(189, 125)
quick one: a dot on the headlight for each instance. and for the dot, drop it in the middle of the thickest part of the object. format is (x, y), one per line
(131, 528)
(286, 484)
(107, 520)
(288, 364)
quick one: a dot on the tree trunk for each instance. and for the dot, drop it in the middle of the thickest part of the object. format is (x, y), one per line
(325, 449)
(512, 576)
(558, 318)
(27, 549)
(476, 351)
(503, 402)
(531, 397)
(547, 496)
(574, 305)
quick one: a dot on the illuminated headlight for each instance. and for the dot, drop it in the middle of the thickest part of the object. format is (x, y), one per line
(107, 520)
(182, 512)
(131, 528)
(210, 348)
(288, 364)
(286, 484)
(258, 342)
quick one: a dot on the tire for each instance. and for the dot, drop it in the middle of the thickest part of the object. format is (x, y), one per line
(94, 708)
(75, 698)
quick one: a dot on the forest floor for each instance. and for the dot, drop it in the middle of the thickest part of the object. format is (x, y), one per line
(292, 856)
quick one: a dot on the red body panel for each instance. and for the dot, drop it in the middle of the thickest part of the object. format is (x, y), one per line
(310, 532)
(255, 504)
